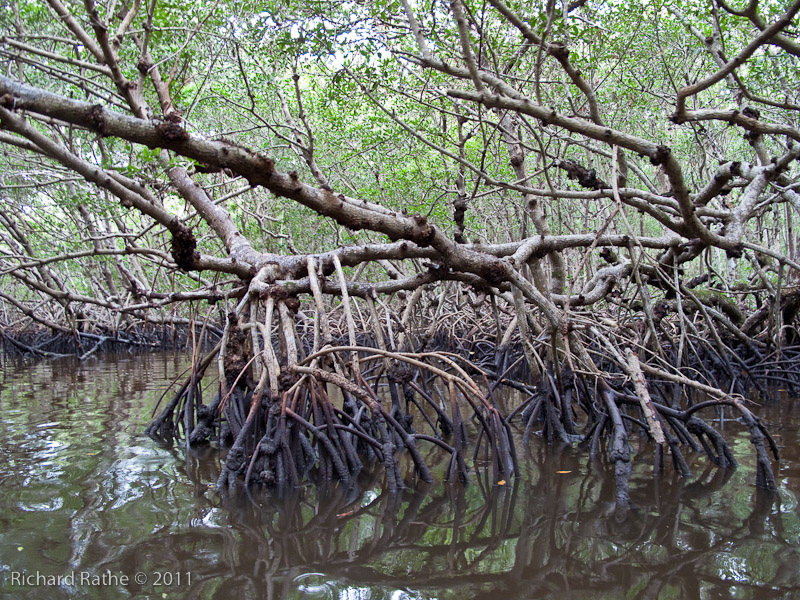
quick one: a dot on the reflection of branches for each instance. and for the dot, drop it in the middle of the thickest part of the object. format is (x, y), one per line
(549, 532)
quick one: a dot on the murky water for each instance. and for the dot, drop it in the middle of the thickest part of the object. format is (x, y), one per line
(90, 508)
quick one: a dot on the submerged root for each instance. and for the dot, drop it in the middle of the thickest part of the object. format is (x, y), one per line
(322, 426)
(290, 413)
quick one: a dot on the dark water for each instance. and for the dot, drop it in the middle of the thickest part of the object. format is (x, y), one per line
(84, 496)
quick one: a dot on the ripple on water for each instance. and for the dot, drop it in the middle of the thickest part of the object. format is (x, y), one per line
(315, 585)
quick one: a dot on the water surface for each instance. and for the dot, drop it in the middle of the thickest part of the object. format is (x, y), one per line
(84, 496)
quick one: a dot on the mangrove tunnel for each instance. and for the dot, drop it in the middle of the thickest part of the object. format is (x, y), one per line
(373, 223)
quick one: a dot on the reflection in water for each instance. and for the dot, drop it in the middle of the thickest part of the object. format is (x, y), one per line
(84, 492)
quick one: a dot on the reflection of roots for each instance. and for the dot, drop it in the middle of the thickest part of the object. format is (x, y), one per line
(461, 539)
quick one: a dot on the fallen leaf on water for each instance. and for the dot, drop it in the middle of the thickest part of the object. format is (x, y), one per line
(501, 482)
(563, 472)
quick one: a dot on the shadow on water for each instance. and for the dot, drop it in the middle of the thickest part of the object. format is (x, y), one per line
(85, 493)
